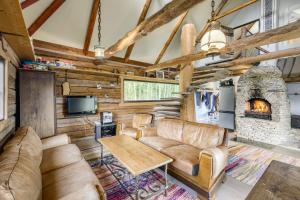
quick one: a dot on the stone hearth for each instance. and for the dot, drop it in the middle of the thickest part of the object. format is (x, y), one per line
(265, 83)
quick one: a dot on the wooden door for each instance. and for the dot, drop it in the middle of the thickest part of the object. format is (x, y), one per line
(37, 101)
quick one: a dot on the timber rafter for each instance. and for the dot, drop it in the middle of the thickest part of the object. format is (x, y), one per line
(287, 32)
(141, 19)
(172, 35)
(163, 16)
(44, 16)
(28, 3)
(91, 25)
(61, 51)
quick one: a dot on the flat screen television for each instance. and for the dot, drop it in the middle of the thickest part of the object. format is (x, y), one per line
(81, 105)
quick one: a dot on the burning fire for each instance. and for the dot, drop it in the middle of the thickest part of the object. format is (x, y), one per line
(257, 105)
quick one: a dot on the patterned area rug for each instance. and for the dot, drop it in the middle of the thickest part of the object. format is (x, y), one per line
(247, 163)
(120, 187)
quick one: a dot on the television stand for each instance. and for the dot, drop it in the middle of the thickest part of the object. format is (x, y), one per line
(104, 130)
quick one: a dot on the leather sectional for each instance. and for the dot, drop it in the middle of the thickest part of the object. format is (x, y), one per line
(199, 151)
(48, 169)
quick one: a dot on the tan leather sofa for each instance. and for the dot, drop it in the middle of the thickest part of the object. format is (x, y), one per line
(139, 121)
(48, 169)
(199, 152)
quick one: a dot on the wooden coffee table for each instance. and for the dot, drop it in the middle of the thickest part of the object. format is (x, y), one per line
(136, 157)
(279, 181)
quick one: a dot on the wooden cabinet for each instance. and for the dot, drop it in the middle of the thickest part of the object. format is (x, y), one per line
(37, 101)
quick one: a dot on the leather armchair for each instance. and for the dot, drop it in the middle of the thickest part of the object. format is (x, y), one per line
(139, 122)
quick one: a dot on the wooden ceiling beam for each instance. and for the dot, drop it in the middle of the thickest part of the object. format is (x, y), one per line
(44, 16)
(13, 28)
(27, 3)
(91, 25)
(163, 16)
(47, 48)
(287, 32)
(235, 9)
(258, 58)
(213, 78)
(205, 28)
(141, 19)
(172, 35)
(292, 79)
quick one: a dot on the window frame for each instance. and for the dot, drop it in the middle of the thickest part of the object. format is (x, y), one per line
(5, 88)
(144, 79)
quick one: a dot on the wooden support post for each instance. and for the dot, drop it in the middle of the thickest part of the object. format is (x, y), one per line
(188, 36)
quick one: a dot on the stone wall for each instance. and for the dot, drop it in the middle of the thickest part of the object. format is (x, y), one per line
(266, 79)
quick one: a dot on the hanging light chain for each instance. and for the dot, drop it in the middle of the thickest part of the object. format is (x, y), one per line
(99, 22)
(212, 9)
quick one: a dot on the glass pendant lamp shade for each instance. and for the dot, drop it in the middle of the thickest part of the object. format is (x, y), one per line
(213, 40)
(99, 52)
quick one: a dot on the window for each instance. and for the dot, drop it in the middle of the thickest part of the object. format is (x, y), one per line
(2, 90)
(139, 91)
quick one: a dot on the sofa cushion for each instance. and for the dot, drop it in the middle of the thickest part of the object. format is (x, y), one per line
(60, 156)
(20, 177)
(132, 132)
(158, 143)
(55, 141)
(30, 142)
(186, 158)
(66, 180)
(141, 120)
(202, 135)
(170, 129)
(89, 192)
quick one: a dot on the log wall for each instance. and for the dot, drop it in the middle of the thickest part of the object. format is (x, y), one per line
(7, 126)
(109, 97)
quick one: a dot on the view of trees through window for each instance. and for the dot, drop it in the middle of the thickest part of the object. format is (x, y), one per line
(148, 91)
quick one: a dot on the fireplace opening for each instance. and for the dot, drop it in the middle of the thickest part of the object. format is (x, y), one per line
(258, 108)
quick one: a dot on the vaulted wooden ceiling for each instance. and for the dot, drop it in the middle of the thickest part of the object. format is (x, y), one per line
(74, 23)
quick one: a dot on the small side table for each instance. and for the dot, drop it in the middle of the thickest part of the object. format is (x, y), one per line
(105, 130)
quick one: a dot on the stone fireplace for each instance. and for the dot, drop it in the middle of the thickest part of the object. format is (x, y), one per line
(262, 106)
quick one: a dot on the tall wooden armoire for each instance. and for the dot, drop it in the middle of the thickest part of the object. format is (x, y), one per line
(37, 101)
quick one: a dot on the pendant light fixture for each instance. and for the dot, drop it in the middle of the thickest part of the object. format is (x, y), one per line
(214, 39)
(99, 50)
